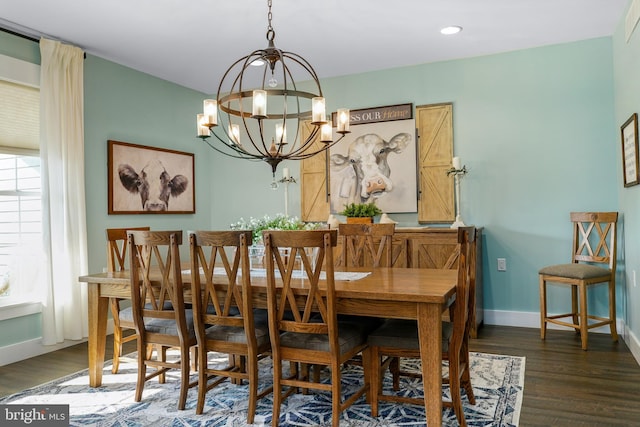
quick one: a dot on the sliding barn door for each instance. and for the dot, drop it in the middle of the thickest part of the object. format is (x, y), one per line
(313, 182)
(435, 152)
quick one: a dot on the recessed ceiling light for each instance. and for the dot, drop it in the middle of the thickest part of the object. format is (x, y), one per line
(454, 29)
(257, 63)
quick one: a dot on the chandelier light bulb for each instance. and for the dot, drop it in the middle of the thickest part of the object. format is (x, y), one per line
(259, 109)
(203, 129)
(281, 133)
(234, 133)
(318, 110)
(343, 120)
(326, 132)
(211, 112)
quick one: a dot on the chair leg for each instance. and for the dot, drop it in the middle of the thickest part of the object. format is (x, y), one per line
(202, 379)
(162, 356)
(454, 388)
(612, 310)
(252, 370)
(234, 360)
(543, 308)
(366, 367)
(375, 383)
(304, 375)
(584, 325)
(194, 358)
(277, 392)
(185, 369)
(317, 370)
(117, 347)
(117, 335)
(335, 395)
(394, 368)
(466, 383)
(142, 372)
(242, 365)
(465, 379)
(574, 308)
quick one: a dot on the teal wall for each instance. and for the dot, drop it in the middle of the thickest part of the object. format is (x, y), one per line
(19, 48)
(537, 130)
(626, 60)
(125, 105)
(21, 329)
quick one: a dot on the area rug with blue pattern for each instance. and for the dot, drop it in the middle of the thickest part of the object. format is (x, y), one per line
(498, 383)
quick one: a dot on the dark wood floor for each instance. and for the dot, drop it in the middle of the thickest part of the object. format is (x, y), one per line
(564, 386)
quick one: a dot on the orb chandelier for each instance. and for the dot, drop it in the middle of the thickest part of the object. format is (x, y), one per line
(262, 100)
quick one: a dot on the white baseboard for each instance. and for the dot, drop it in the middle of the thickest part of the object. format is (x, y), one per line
(532, 320)
(27, 349)
(633, 343)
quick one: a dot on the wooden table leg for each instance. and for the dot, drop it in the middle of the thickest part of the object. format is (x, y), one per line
(430, 335)
(98, 307)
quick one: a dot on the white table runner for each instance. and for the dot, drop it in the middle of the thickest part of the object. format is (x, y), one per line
(298, 274)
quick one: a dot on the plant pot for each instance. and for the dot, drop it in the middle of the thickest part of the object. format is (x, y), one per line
(359, 220)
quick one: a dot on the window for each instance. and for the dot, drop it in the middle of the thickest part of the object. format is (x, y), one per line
(20, 192)
(20, 218)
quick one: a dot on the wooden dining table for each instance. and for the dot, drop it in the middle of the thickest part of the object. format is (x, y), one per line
(403, 293)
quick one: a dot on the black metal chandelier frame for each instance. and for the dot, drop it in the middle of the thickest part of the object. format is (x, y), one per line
(233, 108)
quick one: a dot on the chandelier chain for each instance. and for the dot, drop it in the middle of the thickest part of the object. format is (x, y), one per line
(269, 17)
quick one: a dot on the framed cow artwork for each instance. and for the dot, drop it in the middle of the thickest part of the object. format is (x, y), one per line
(149, 180)
(376, 162)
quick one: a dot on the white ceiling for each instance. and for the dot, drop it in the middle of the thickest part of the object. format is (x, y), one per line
(192, 42)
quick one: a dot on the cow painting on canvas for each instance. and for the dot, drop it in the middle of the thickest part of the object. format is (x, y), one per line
(375, 164)
(153, 184)
(364, 171)
(149, 180)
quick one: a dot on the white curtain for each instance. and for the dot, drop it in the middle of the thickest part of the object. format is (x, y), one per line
(64, 224)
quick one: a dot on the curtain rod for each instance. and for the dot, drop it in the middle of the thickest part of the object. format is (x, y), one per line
(15, 33)
(30, 38)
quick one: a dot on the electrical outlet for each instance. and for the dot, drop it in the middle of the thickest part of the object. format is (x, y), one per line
(502, 264)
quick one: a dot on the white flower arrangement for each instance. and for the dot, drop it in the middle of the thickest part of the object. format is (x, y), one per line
(279, 222)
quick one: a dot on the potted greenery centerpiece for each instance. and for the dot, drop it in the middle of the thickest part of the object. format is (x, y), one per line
(360, 212)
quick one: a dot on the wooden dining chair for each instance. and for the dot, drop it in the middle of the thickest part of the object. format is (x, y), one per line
(366, 245)
(223, 315)
(158, 308)
(399, 339)
(117, 261)
(313, 336)
(593, 262)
